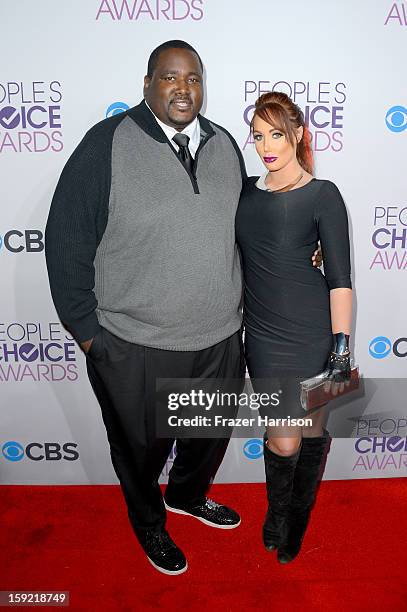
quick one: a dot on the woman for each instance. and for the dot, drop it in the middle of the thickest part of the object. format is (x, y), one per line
(297, 320)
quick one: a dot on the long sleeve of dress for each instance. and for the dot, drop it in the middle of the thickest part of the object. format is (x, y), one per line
(332, 221)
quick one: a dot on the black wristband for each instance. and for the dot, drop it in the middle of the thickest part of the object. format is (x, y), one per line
(340, 344)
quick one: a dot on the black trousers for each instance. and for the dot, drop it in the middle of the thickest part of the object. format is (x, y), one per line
(123, 376)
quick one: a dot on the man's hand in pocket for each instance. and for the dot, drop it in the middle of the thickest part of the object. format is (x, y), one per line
(85, 346)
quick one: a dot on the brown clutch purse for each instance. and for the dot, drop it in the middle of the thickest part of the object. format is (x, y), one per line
(317, 391)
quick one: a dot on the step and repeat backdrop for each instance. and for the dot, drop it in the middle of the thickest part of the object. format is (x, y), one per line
(70, 63)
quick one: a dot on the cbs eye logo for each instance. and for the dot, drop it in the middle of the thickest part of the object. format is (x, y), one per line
(396, 118)
(116, 108)
(13, 451)
(253, 449)
(381, 346)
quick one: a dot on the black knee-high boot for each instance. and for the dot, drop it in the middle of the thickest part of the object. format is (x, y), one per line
(306, 478)
(279, 482)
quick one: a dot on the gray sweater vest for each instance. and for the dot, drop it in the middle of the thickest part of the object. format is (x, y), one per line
(167, 269)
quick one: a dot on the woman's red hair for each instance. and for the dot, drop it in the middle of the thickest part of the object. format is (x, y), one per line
(283, 114)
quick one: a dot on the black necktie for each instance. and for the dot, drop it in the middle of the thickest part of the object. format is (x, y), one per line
(184, 153)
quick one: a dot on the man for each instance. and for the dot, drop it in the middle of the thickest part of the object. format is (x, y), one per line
(145, 274)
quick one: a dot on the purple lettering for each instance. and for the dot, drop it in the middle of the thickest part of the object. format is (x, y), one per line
(341, 93)
(143, 10)
(38, 92)
(393, 14)
(19, 329)
(336, 118)
(125, 5)
(32, 329)
(387, 261)
(358, 445)
(11, 91)
(376, 216)
(54, 334)
(379, 443)
(43, 371)
(108, 10)
(389, 215)
(31, 120)
(174, 12)
(376, 235)
(262, 91)
(334, 139)
(317, 140)
(54, 117)
(70, 351)
(72, 368)
(199, 12)
(24, 140)
(48, 352)
(37, 139)
(321, 93)
(313, 119)
(395, 238)
(165, 10)
(59, 143)
(7, 374)
(249, 141)
(246, 112)
(401, 215)
(4, 93)
(248, 91)
(378, 260)
(399, 238)
(299, 88)
(58, 93)
(308, 95)
(23, 100)
(7, 142)
(55, 367)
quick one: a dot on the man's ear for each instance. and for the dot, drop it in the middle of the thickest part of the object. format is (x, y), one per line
(299, 133)
(147, 82)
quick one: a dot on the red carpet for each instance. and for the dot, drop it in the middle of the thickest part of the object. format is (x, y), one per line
(78, 539)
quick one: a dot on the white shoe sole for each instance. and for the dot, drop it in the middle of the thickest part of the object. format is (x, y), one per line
(167, 572)
(199, 518)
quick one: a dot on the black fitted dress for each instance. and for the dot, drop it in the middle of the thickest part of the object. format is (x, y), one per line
(286, 300)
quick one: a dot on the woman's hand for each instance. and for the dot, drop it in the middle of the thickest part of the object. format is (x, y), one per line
(317, 258)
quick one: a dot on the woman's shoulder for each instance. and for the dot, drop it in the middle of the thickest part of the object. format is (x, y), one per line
(329, 197)
(327, 185)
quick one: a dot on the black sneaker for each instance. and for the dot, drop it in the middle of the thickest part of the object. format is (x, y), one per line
(210, 513)
(163, 553)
